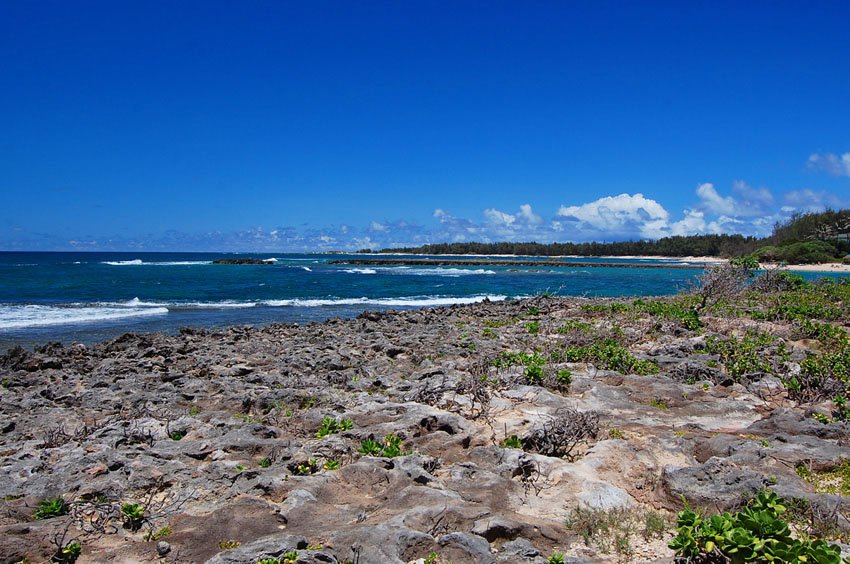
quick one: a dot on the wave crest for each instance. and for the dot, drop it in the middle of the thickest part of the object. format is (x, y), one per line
(19, 317)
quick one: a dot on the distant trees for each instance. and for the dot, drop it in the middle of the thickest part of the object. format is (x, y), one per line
(694, 245)
(805, 237)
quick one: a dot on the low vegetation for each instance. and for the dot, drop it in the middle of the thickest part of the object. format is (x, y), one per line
(389, 448)
(756, 533)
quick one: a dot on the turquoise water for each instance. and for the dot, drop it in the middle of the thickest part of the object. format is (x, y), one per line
(93, 296)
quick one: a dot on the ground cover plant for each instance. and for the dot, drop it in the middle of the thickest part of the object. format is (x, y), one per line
(610, 355)
(756, 533)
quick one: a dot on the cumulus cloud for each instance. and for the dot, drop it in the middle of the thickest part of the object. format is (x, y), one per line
(831, 163)
(617, 216)
(693, 222)
(524, 217)
(499, 218)
(713, 202)
(527, 215)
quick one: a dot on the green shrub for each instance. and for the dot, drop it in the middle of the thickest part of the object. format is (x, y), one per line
(755, 352)
(390, 448)
(534, 364)
(756, 533)
(748, 262)
(533, 327)
(511, 442)
(332, 465)
(555, 558)
(575, 325)
(831, 365)
(133, 515)
(68, 554)
(49, 508)
(685, 315)
(826, 333)
(331, 426)
(610, 355)
(306, 468)
(799, 252)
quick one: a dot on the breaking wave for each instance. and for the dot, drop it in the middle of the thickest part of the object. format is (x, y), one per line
(21, 316)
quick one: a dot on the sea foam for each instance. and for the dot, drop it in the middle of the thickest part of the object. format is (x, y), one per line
(17, 317)
(414, 301)
(139, 262)
(135, 262)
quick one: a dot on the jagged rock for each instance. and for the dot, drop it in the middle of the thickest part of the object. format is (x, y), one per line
(218, 429)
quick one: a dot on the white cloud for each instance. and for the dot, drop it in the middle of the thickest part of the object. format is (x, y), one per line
(713, 202)
(838, 165)
(811, 200)
(693, 222)
(497, 217)
(528, 216)
(375, 226)
(619, 215)
(523, 218)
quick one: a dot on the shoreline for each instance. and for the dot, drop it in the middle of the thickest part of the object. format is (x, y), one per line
(832, 267)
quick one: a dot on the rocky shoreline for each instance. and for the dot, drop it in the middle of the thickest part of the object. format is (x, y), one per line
(489, 432)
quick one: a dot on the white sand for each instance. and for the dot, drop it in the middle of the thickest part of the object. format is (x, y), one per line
(827, 267)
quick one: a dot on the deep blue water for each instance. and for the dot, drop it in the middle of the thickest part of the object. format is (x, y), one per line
(93, 296)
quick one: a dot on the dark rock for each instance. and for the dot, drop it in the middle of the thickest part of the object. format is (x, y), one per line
(242, 261)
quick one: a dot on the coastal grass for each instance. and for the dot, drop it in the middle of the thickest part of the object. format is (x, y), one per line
(615, 530)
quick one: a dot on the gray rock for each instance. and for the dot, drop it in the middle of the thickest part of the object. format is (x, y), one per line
(718, 483)
(272, 546)
(471, 547)
(163, 548)
(521, 548)
(497, 527)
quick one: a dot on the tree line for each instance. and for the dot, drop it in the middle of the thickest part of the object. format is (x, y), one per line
(827, 231)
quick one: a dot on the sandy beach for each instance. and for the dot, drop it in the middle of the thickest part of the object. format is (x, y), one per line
(827, 267)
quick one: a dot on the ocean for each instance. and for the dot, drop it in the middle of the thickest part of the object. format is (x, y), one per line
(90, 297)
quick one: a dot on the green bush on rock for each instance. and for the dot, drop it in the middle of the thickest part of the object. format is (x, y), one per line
(755, 533)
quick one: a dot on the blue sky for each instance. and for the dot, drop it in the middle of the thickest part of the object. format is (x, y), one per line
(341, 125)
